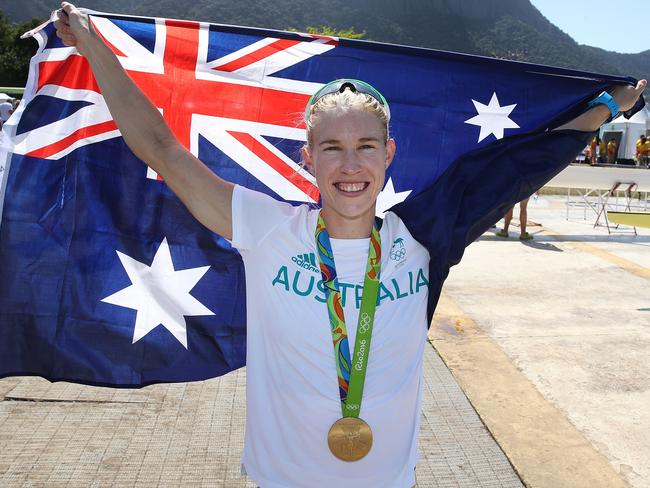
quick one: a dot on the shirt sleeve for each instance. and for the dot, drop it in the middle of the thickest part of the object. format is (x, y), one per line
(254, 216)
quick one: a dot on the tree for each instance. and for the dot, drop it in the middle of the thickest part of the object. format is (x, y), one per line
(15, 52)
(326, 30)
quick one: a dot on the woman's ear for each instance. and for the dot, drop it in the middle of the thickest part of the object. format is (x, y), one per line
(390, 151)
(306, 158)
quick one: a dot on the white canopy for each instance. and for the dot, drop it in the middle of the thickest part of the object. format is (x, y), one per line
(641, 117)
(631, 129)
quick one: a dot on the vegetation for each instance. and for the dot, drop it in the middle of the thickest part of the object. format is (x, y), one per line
(14, 51)
(510, 29)
(326, 30)
(511, 38)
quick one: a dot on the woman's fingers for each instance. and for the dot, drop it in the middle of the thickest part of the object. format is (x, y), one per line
(68, 39)
(69, 42)
(640, 86)
(72, 27)
(62, 17)
(67, 8)
(61, 27)
(63, 31)
(626, 96)
(70, 15)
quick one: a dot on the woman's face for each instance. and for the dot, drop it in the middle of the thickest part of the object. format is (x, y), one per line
(349, 155)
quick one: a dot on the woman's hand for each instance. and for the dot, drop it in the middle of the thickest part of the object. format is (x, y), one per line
(626, 96)
(208, 197)
(591, 120)
(74, 28)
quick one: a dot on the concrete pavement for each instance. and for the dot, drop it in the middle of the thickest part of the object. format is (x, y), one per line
(191, 434)
(571, 312)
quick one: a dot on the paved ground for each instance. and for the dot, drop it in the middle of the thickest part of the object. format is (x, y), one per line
(55, 435)
(571, 311)
(550, 341)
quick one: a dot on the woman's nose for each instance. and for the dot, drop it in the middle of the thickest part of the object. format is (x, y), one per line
(350, 163)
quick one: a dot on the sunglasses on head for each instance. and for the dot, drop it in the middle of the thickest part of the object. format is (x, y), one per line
(339, 86)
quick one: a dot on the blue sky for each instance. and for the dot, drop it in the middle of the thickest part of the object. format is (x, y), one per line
(615, 26)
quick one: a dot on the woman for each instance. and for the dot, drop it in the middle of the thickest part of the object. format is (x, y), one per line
(308, 386)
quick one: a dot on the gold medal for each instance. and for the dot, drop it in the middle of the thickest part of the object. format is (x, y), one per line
(349, 439)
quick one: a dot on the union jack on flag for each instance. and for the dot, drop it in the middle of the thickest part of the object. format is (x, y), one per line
(83, 220)
(229, 93)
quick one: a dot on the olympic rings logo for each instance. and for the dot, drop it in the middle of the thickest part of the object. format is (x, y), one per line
(352, 406)
(398, 250)
(398, 254)
(364, 323)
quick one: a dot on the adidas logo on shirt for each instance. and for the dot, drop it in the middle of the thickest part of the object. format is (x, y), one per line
(306, 261)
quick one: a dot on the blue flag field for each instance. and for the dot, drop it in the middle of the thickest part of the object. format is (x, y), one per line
(106, 279)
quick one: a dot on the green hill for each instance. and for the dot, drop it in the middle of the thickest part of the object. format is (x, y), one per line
(637, 65)
(510, 29)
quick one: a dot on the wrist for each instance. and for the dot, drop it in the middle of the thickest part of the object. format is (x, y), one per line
(608, 101)
(93, 46)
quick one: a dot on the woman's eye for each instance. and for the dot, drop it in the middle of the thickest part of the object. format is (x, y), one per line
(331, 148)
(367, 146)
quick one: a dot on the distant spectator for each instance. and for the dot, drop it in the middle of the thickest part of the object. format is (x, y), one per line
(593, 147)
(602, 151)
(6, 109)
(641, 155)
(612, 150)
(646, 152)
(523, 220)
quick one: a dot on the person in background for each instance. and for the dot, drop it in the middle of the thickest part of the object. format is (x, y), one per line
(612, 150)
(602, 151)
(523, 220)
(641, 150)
(593, 147)
(6, 109)
(645, 153)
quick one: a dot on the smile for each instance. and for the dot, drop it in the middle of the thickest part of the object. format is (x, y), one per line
(351, 187)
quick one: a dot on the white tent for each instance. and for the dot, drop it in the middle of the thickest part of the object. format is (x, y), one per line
(632, 128)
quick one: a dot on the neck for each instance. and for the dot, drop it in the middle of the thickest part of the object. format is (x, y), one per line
(340, 227)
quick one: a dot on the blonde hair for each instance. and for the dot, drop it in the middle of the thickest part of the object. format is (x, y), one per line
(344, 102)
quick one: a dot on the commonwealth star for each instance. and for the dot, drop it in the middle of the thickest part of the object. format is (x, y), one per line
(492, 118)
(160, 294)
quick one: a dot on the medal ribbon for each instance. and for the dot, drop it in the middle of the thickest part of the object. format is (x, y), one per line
(351, 373)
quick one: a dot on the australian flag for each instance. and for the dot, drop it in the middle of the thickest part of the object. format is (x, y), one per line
(105, 278)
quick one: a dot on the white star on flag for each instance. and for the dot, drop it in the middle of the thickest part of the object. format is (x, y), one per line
(389, 197)
(492, 118)
(160, 294)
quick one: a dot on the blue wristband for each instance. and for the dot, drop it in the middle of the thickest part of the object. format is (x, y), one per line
(605, 99)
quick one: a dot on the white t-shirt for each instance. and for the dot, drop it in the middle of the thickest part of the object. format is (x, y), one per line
(292, 392)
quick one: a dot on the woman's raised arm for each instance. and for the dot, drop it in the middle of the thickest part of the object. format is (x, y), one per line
(624, 96)
(207, 196)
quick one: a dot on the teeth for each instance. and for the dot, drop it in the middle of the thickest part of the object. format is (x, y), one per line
(350, 187)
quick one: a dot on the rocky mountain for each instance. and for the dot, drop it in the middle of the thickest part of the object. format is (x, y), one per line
(510, 29)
